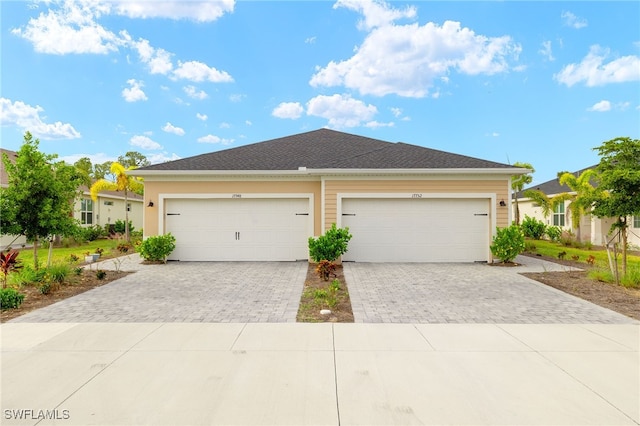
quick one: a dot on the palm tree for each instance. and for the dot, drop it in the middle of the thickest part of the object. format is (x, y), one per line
(581, 200)
(547, 204)
(518, 182)
(123, 182)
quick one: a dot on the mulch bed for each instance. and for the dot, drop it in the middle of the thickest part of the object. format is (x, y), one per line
(75, 284)
(310, 306)
(625, 301)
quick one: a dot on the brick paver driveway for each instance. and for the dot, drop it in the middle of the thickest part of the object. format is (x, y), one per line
(187, 292)
(464, 293)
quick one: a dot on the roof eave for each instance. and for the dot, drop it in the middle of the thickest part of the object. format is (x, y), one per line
(315, 172)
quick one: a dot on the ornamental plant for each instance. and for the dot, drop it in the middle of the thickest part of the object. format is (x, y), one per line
(508, 243)
(10, 298)
(331, 245)
(8, 263)
(157, 248)
(533, 228)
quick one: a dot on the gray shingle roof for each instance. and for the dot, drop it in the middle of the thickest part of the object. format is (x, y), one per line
(553, 186)
(325, 149)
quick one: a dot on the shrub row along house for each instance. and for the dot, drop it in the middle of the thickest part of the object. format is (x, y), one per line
(107, 209)
(262, 201)
(590, 228)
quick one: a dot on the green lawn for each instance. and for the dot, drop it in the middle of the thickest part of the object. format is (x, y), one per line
(548, 248)
(63, 254)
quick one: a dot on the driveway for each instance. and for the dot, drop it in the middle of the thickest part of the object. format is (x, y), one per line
(241, 292)
(186, 292)
(465, 293)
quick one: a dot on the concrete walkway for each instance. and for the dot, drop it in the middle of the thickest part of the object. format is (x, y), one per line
(465, 293)
(320, 374)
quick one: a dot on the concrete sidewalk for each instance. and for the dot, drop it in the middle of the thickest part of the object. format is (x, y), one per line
(326, 374)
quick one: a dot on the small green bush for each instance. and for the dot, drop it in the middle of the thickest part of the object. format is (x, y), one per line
(533, 228)
(58, 272)
(119, 227)
(554, 233)
(100, 274)
(89, 233)
(508, 243)
(27, 276)
(10, 298)
(331, 245)
(157, 248)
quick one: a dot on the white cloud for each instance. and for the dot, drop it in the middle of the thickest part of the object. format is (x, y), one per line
(202, 117)
(573, 21)
(545, 51)
(194, 93)
(170, 128)
(134, 93)
(215, 140)
(376, 13)
(200, 11)
(197, 71)
(162, 157)
(71, 29)
(397, 112)
(292, 110)
(310, 40)
(594, 72)
(224, 125)
(158, 60)
(248, 123)
(601, 106)
(28, 118)
(376, 124)
(341, 110)
(144, 142)
(407, 60)
(236, 97)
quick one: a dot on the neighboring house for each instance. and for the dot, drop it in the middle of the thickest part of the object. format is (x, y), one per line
(108, 208)
(401, 202)
(8, 240)
(592, 229)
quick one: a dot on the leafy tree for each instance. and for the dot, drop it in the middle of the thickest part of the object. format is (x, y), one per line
(103, 171)
(124, 183)
(519, 181)
(618, 192)
(38, 201)
(133, 160)
(582, 199)
(85, 168)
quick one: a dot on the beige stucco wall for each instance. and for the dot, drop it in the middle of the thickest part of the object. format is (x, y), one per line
(499, 187)
(154, 190)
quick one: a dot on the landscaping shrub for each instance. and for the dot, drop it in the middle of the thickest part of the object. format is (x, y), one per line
(10, 298)
(554, 233)
(157, 248)
(100, 274)
(89, 233)
(58, 272)
(325, 268)
(533, 228)
(119, 227)
(508, 243)
(8, 262)
(331, 245)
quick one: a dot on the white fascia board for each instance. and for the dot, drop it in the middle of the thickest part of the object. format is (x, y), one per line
(150, 174)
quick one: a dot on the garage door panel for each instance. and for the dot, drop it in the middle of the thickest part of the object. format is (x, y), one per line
(238, 229)
(417, 230)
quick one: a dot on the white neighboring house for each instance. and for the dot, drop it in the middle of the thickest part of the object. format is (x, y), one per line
(593, 229)
(6, 240)
(108, 208)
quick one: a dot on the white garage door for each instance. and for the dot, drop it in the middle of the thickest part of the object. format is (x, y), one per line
(417, 230)
(232, 229)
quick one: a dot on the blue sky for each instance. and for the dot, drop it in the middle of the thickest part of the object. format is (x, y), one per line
(537, 82)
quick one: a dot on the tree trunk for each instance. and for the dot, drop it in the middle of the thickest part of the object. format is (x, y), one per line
(623, 230)
(50, 251)
(35, 253)
(126, 217)
(517, 212)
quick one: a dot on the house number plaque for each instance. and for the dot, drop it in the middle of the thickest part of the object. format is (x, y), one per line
(416, 195)
(236, 195)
